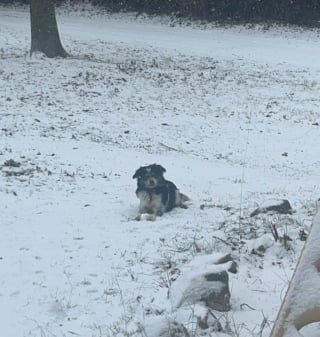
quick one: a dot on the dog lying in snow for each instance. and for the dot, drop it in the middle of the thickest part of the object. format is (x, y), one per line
(157, 195)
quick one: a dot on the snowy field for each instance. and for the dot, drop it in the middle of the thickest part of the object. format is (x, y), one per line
(231, 113)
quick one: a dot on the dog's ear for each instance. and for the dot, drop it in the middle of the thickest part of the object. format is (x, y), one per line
(162, 169)
(137, 173)
(159, 168)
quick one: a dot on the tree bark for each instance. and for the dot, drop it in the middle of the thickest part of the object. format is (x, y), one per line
(44, 29)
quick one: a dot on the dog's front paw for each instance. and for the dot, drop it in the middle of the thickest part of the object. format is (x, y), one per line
(151, 217)
(146, 216)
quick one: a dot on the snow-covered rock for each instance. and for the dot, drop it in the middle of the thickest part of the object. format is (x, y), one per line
(281, 206)
(205, 280)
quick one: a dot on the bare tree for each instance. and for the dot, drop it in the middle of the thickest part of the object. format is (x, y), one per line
(44, 29)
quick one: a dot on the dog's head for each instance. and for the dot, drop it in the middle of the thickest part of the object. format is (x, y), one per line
(150, 176)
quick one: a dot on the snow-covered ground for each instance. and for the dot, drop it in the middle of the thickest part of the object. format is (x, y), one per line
(231, 113)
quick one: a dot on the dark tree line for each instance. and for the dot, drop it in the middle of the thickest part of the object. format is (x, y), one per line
(299, 12)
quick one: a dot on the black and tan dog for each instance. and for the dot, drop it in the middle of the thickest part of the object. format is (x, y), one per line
(157, 195)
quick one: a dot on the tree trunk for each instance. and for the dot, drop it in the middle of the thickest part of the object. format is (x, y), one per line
(44, 30)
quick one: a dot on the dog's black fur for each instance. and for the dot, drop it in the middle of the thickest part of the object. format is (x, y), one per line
(157, 195)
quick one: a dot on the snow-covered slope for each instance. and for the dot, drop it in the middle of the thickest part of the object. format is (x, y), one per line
(231, 113)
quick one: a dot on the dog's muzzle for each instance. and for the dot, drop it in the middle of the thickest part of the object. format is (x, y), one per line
(151, 182)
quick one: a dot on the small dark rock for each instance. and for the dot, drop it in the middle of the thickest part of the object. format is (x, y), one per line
(11, 163)
(203, 322)
(233, 268)
(303, 235)
(218, 300)
(227, 258)
(224, 259)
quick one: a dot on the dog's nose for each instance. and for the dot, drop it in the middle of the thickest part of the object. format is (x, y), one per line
(152, 182)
